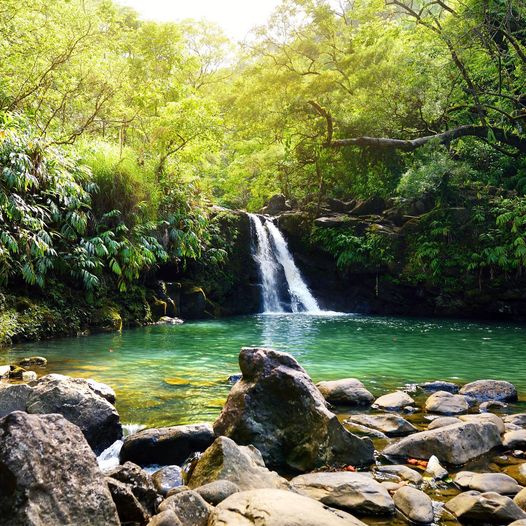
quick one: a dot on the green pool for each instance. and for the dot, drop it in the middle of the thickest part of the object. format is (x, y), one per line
(178, 374)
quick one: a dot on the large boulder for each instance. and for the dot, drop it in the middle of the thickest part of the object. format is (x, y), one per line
(348, 391)
(276, 204)
(277, 408)
(483, 482)
(271, 507)
(353, 492)
(455, 444)
(484, 417)
(446, 403)
(520, 499)
(390, 425)
(13, 397)
(415, 505)
(49, 474)
(486, 390)
(484, 508)
(166, 445)
(515, 439)
(78, 402)
(242, 465)
(129, 508)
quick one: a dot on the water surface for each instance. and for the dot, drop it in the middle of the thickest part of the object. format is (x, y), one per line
(167, 374)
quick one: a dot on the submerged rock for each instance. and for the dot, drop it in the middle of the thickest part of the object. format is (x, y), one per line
(277, 408)
(437, 385)
(166, 445)
(271, 507)
(490, 390)
(390, 425)
(353, 492)
(241, 465)
(415, 505)
(394, 401)
(455, 444)
(482, 508)
(75, 399)
(39, 361)
(49, 474)
(446, 403)
(348, 391)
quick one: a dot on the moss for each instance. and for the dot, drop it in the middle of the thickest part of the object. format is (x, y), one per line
(108, 318)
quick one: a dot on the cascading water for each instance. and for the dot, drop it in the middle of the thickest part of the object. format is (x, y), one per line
(273, 256)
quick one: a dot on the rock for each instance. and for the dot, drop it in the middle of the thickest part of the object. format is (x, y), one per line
(276, 204)
(484, 482)
(271, 507)
(519, 419)
(520, 499)
(482, 508)
(360, 430)
(128, 507)
(484, 417)
(394, 401)
(278, 409)
(443, 421)
(191, 509)
(415, 505)
(484, 407)
(234, 378)
(166, 445)
(102, 390)
(175, 491)
(16, 372)
(78, 403)
(39, 361)
(435, 469)
(455, 444)
(13, 398)
(167, 320)
(167, 478)
(29, 376)
(337, 205)
(446, 403)
(140, 484)
(514, 439)
(518, 523)
(401, 471)
(353, 492)
(373, 205)
(165, 518)
(494, 390)
(242, 465)
(4, 371)
(518, 472)
(433, 387)
(348, 391)
(49, 474)
(390, 425)
(217, 491)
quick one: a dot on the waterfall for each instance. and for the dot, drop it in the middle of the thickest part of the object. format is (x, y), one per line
(273, 257)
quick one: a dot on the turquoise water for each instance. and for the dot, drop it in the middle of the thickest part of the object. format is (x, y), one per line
(178, 374)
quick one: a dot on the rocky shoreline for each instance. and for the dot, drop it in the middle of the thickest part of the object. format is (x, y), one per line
(283, 451)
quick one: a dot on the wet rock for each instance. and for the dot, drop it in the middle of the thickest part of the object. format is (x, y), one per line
(49, 474)
(32, 361)
(515, 439)
(242, 465)
(443, 421)
(484, 407)
(484, 417)
(520, 499)
(16, 372)
(486, 390)
(390, 425)
(353, 492)
(270, 507)
(433, 387)
(519, 419)
(167, 320)
(102, 390)
(139, 482)
(348, 391)
(394, 401)
(278, 409)
(167, 478)
(415, 505)
(484, 482)
(482, 508)
(446, 403)
(217, 491)
(13, 398)
(435, 469)
(165, 518)
(128, 507)
(166, 445)
(455, 444)
(77, 402)
(518, 472)
(191, 509)
(29, 376)
(401, 471)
